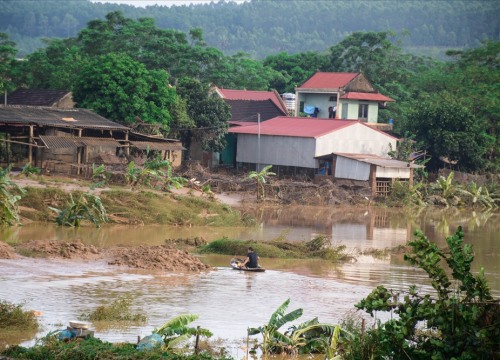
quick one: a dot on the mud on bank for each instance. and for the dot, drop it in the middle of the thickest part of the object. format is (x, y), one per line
(159, 257)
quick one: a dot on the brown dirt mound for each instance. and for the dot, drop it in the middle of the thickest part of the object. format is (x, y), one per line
(60, 249)
(6, 252)
(162, 257)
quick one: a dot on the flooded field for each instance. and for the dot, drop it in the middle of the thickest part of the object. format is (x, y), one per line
(229, 301)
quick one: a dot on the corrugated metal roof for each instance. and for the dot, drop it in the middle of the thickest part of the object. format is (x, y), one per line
(247, 110)
(294, 126)
(366, 96)
(36, 97)
(328, 80)
(58, 142)
(251, 95)
(106, 142)
(55, 117)
(380, 161)
(143, 145)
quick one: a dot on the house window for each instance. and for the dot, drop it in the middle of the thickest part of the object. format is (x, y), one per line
(333, 98)
(301, 106)
(363, 112)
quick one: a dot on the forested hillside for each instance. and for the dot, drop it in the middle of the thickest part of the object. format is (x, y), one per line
(264, 27)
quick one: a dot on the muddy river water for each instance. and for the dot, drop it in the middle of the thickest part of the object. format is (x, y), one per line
(229, 301)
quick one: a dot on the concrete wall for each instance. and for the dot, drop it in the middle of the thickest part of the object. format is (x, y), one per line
(353, 109)
(357, 139)
(320, 100)
(276, 150)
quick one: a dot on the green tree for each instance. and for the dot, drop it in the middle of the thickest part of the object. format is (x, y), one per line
(208, 111)
(459, 320)
(295, 68)
(7, 57)
(121, 89)
(446, 128)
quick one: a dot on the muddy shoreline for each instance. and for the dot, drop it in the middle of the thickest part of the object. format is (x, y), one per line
(156, 258)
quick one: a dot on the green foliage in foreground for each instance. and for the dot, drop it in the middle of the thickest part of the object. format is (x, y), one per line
(14, 316)
(319, 247)
(305, 338)
(176, 331)
(90, 349)
(459, 320)
(118, 310)
(8, 198)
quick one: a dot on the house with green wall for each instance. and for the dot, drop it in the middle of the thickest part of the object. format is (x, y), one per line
(348, 96)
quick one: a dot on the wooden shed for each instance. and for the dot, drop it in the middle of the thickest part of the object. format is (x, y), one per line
(69, 140)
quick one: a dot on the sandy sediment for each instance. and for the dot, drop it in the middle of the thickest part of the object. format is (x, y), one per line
(159, 257)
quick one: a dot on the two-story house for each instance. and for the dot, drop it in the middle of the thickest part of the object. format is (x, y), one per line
(347, 96)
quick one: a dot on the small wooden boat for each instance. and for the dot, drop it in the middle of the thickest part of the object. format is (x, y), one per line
(236, 265)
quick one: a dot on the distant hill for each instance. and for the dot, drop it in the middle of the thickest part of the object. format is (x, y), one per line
(264, 27)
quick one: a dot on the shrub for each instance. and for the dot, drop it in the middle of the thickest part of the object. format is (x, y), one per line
(118, 310)
(14, 316)
(458, 321)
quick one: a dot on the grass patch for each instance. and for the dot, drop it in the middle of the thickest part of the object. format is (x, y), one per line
(14, 316)
(156, 208)
(118, 310)
(90, 349)
(40, 199)
(319, 247)
(146, 207)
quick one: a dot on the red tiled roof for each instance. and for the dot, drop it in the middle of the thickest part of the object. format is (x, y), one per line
(251, 95)
(294, 126)
(366, 96)
(328, 80)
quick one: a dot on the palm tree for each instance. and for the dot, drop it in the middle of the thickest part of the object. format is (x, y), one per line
(260, 178)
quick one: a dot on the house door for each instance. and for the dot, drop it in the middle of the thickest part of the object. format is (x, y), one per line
(344, 111)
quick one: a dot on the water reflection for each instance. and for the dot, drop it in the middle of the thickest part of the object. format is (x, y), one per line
(229, 301)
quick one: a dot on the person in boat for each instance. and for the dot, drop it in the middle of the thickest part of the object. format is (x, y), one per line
(251, 262)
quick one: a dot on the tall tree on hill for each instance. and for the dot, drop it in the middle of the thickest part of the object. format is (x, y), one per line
(208, 111)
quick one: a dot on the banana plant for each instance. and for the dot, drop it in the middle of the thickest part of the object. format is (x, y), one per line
(87, 207)
(176, 331)
(479, 195)
(445, 187)
(132, 174)
(8, 198)
(260, 179)
(99, 175)
(310, 337)
(272, 339)
(28, 170)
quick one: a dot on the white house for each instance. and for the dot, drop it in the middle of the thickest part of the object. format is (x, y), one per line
(348, 149)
